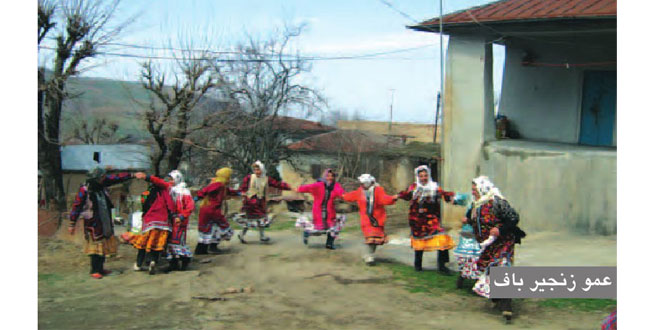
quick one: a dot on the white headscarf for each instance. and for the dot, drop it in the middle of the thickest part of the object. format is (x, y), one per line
(424, 190)
(258, 183)
(487, 190)
(367, 180)
(179, 187)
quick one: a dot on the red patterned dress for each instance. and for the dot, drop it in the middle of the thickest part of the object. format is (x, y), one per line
(501, 252)
(426, 231)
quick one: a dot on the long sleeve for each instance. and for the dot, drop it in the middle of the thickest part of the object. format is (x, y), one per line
(383, 198)
(351, 196)
(245, 186)
(407, 194)
(78, 204)
(233, 192)
(188, 206)
(278, 184)
(208, 189)
(158, 182)
(339, 191)
(113, 179)
(306, 188)
(446, 195)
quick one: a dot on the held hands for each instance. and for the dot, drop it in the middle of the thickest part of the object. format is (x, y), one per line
(140, 175)
(72, 230)
(495, 232)
(464, 220)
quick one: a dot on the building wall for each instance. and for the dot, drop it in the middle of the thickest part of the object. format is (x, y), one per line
(419, 132)
(544, 103)
(463, 118)
(556, 187)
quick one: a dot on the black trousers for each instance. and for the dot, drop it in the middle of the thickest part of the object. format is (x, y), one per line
(96, 262)
(443, 257)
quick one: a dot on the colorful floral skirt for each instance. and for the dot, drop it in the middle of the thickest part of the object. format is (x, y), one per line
(215, 235)
(482, 286)
(106, 247)
(250, 222)
(433, 243)
(178, 251)
(308, 226)
(152, 240)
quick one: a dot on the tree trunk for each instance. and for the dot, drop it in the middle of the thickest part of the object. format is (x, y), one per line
(50, 160)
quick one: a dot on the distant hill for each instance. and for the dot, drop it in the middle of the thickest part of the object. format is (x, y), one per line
(117, 101)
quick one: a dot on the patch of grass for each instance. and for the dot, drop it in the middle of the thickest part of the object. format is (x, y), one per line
(431, 282)
(586, 305)
(49, 278)
(426, 281)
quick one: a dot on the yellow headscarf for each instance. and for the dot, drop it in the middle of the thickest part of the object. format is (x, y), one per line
(222, 175)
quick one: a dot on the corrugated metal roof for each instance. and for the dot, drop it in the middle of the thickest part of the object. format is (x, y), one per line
(521, 10)
(116, 156)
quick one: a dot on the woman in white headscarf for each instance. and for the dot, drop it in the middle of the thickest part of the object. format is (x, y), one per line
(177, 249)
(371, 199)
(496, 229)
(426, 229)
(254, 189)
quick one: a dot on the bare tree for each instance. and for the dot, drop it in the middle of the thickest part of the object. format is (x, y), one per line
(262, 83)
(80, 28)
(98, 131)
(170, 111)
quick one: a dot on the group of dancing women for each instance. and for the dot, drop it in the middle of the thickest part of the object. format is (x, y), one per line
(487, 237)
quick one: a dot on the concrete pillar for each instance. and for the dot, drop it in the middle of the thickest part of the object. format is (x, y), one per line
(468, 116)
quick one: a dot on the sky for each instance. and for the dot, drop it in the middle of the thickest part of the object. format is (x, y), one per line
(409, 79)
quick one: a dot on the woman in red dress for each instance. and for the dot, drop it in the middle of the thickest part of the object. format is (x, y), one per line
(213, 227)
(371, 199)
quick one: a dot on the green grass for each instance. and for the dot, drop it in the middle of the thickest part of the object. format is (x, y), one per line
(434, 283)
(49, 278)
(586, 305)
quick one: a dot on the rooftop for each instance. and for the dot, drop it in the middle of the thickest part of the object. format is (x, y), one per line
(515, 11)
(116, 156)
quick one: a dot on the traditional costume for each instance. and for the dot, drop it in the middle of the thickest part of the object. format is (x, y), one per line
(490, 211)
(213, 227)
(426, 231)
(157, 211)
(371, 199)
(467, 253)
(93, 203)
(255, 213)
(184, 206)
(325, 219)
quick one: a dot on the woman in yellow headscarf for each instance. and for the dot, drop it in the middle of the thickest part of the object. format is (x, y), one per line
(213, 226)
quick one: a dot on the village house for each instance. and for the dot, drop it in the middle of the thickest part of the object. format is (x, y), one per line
(354, 152)
(78, 159)
(558, 92)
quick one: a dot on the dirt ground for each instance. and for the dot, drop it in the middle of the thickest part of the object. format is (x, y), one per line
(285, 286)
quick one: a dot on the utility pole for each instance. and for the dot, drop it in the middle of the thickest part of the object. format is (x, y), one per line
(440, 102)
(391, 110)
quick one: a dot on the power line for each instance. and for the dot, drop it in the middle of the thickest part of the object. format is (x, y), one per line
(266, 58)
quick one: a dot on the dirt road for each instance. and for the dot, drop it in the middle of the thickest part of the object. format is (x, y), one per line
(285, 286)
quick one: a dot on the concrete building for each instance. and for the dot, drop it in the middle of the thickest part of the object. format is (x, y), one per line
(558, 91)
